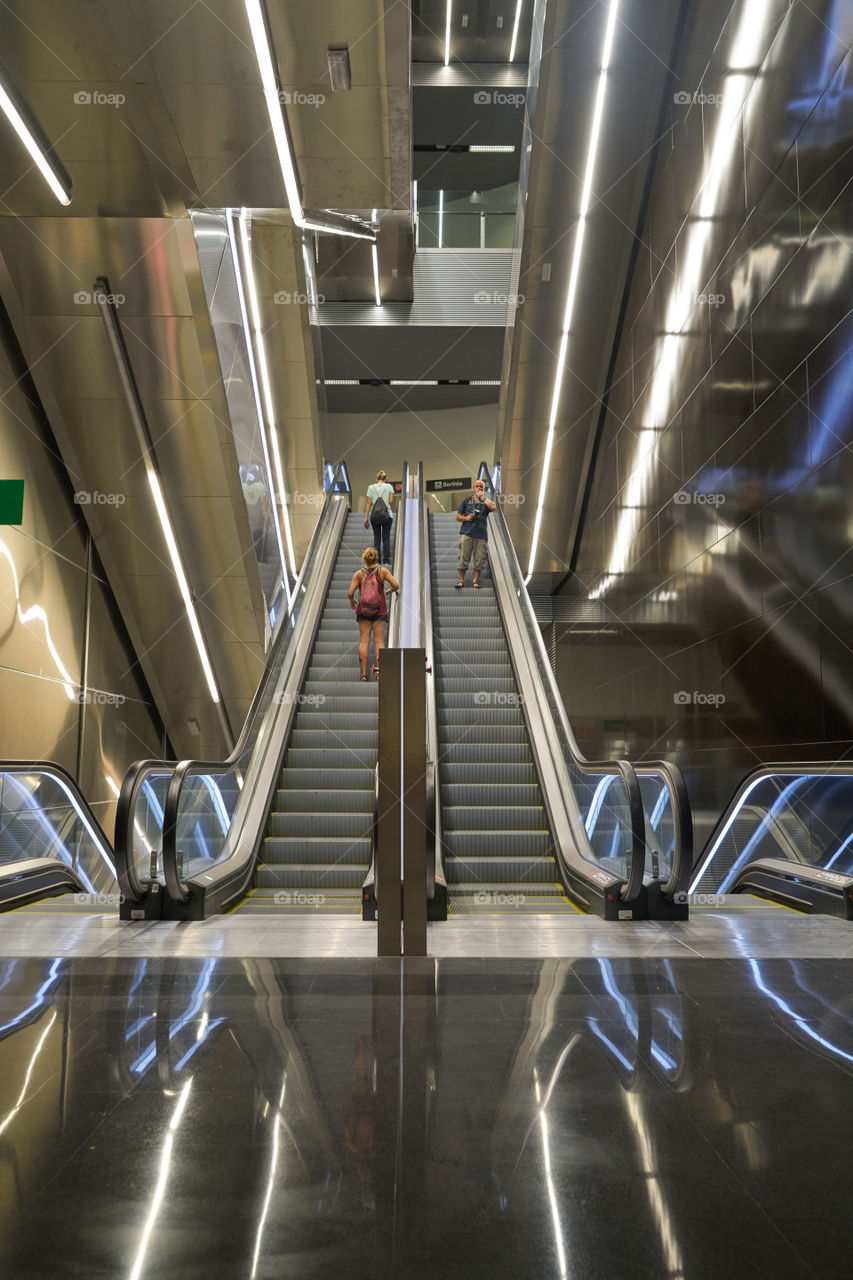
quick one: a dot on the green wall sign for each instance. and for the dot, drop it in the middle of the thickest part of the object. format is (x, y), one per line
(11, 501)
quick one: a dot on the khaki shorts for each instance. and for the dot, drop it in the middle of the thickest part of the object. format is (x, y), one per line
(467, 545)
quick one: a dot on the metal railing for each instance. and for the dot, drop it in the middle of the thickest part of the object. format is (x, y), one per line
(50, 840)
(435, 870)
(787, 833)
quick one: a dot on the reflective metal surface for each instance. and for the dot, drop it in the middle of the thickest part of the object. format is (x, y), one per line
(707, 618)
(360, 1113)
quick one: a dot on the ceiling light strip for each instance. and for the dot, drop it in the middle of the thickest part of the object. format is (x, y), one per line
(56, 179)
(283, 145)
(440, 219)
(483, 148)
(447, 33)
(374, 253)
(574, 274)
(515, 30)
(230, 217)
(103, 293)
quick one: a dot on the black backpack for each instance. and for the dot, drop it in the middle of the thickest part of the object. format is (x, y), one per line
(379, 513)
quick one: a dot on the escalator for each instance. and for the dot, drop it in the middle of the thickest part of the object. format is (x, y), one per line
(318, 840)
(528, 824)
(54, 856)
(495, 826)
(786, 836)
(286, 823)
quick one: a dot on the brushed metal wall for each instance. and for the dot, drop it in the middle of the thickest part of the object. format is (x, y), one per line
(710, 614)
(70, 690)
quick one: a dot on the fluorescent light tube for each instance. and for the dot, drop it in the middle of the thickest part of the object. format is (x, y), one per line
(515, 31)
(59, 184)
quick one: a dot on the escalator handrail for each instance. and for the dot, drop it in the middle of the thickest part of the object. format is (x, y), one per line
(78, 801)
(682, 861)
(672, 776)
(396, 614)
(126, 809)
(128, 880)
(435, 838)
(747, 784)
(175, 885)
(630, 888)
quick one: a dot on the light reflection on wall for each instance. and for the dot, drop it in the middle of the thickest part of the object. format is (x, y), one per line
(741, 92)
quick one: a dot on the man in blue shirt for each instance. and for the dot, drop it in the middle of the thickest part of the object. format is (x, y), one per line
(472, 514)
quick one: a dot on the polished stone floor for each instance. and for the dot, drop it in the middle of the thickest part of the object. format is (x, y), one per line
(744, 927)
(457, 1117)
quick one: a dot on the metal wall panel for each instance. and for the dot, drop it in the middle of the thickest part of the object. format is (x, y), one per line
(717, 540)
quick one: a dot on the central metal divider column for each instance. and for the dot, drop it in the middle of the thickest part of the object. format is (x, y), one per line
(401, 820)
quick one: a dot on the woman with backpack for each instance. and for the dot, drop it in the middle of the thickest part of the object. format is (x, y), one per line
(372, 607)
(380, 500)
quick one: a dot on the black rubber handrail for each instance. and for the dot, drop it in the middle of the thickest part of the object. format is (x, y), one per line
(750, 780)
(52, 770)
(175, 884)
(631, 888)
(129, 883)
(682, 817)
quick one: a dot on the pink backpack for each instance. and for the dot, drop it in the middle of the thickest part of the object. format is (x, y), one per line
(371, 594)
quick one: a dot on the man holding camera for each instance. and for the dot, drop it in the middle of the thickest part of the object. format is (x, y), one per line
(473, 513)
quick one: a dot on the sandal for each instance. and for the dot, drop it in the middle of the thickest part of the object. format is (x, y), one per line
(364, 678)
(476, 584)
(459, 585)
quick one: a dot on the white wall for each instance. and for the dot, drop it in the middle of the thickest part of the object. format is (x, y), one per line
(449, 442)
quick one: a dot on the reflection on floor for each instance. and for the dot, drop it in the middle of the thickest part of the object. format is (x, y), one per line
(457, 1118)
